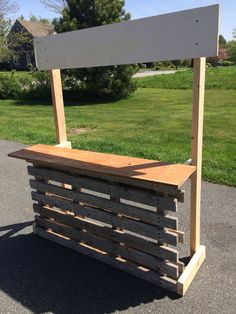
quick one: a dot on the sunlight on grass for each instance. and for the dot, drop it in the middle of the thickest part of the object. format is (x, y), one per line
(152, 123)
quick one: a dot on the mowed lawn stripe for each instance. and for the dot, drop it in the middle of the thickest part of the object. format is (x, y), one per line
(152, 123)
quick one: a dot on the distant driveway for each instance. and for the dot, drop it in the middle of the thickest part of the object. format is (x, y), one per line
(152, 73)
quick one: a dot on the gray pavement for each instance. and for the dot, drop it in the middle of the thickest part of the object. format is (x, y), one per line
(37, 276)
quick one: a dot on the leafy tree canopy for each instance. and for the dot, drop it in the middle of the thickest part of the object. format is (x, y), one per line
(222, 41)
(6, 7)
(103, 82)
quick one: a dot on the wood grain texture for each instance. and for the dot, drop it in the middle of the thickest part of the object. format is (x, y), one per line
(85, 210)
(145, 274)
(118, 167)
(58, 106)
(110, 247)
(191, 270)
(103, 185)
(179, 35)
(110, 204)
(197, 137)
(143, 245)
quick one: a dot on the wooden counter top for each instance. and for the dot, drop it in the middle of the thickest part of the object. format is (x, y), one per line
(117, 166)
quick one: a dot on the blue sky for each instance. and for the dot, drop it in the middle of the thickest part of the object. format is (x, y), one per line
(144, 8)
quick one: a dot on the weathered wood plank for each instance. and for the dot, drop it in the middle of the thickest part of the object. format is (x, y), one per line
(152, 248)
(160, 202)
(101, 186)
(179, 35)
(147, 275)
(110, 247)
(107, 217)
(147, 216)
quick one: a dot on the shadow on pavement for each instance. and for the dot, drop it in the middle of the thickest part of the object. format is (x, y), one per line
(45, 277)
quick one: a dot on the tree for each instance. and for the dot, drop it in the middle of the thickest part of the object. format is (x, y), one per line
(56, 6)
(39, 19)
(232, 47)
(6, 7)
(103, 82)
(222, 41)
(232, 51)
(177, 63)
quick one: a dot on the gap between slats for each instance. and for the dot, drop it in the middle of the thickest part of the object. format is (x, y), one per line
(152, 248)
(110, 247)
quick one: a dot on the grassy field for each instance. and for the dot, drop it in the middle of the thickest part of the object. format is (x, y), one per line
(22, 74)
(152, 123)
(216, 78)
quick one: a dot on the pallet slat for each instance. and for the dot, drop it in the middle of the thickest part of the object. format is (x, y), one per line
(147, 275)
(101, 186)
(68, 174)
(110, 247)
(160, 202)
(147, 216)
(159, 251)
(106, 217)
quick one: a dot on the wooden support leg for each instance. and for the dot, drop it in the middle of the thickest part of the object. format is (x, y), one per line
(197, 134)
(191, 270)
(58, 106)
(59, 113)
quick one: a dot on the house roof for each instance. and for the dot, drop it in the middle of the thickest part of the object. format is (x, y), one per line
(37, 29)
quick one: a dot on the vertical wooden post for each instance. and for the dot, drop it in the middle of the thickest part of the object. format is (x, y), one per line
(58, 106)
(197, 136)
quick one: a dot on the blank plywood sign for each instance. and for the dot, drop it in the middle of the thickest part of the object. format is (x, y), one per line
(186, 34)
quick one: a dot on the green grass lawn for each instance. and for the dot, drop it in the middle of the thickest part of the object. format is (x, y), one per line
(216, 78)
(21, 74)
(152, 123)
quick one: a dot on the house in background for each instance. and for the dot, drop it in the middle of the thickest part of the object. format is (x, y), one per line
(223, 54)
(24, 50)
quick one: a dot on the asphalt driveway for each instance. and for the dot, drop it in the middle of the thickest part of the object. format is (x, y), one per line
(37, 276)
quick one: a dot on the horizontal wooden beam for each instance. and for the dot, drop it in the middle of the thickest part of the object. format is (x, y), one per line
(103, 185)
(160, 203)
(160, 251)
(111, 247)
(106, 217)
(180, 35)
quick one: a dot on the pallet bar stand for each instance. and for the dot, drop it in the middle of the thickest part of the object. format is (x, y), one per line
(122, 210)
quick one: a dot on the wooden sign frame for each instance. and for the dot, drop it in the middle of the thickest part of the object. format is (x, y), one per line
(199, 39)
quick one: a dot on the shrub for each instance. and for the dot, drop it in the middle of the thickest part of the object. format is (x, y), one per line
(227, 63)
(186, 63)
(30, 67)
(39, 86)
(142, 65)
(10, 86)
(158, 65)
